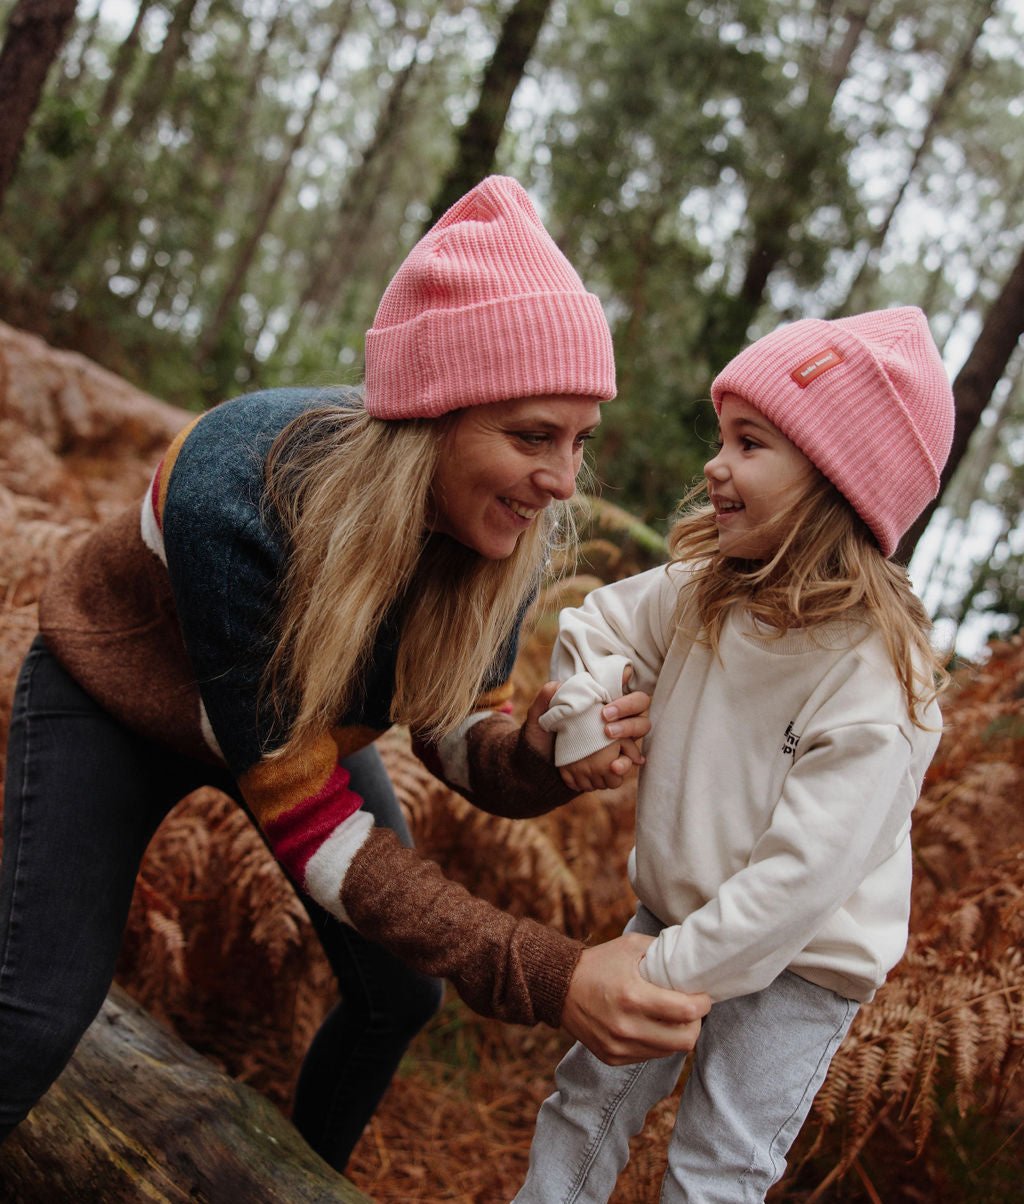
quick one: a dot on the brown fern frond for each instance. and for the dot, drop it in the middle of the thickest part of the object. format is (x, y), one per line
(965, 1040)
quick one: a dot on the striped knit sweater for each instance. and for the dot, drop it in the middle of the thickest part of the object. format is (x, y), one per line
(168, 621)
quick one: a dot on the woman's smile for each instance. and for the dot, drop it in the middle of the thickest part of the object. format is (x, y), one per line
(503, 463)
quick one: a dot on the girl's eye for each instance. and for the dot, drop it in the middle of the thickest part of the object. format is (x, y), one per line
(748, 444)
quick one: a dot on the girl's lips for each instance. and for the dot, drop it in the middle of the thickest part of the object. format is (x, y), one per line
(726, 506)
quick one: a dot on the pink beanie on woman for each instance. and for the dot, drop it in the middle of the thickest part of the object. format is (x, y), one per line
(865, 398)
(485, 308)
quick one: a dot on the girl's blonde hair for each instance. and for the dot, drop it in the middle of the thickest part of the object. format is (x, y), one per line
(353, 494)
(827, 566)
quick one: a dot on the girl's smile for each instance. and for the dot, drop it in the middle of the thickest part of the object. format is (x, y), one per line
(755, 475)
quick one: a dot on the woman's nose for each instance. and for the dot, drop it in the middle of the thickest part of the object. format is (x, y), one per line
(558, 476)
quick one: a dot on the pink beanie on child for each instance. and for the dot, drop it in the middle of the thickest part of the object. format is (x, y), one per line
(485, 308)
(865, 398)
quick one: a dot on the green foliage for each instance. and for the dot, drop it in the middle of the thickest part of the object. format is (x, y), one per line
(710, 168)
(691, 147)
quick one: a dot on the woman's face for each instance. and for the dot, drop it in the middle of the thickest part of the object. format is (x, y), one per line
(502, 463)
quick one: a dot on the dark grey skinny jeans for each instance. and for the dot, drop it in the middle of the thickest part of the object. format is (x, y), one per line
(83, 797)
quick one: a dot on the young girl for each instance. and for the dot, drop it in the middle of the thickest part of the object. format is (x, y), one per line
(793, 718)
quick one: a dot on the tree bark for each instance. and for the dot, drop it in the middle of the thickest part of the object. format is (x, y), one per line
(478, 139)
(138, 1115)
(867, 273)
(126, 53)
(974, 385)
(271, 198)
(36, 31)
(726, 324)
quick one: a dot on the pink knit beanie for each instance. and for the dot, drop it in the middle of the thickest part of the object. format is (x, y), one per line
(485, 308)
(865, 398)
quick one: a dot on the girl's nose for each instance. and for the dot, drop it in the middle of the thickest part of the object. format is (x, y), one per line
(715, 469)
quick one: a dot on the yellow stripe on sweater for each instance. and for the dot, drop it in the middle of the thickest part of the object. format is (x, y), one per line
(167, 465)
(277, 784)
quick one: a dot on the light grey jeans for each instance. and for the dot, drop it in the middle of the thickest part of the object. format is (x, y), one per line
(759, 1062)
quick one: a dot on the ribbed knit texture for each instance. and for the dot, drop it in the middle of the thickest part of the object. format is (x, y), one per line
(485, 308)
(865, 398)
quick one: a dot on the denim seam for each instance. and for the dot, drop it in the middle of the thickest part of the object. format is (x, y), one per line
(828, 1051)
(24, 689)
(607, 1119)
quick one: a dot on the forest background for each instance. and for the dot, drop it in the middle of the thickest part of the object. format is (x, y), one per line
(207, 196)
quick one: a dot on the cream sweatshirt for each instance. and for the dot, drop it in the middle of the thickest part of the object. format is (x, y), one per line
(773, 815)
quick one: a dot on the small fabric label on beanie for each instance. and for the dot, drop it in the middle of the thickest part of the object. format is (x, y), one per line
(813, 368)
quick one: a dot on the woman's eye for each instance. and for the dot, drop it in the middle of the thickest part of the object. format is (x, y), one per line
(533, 438)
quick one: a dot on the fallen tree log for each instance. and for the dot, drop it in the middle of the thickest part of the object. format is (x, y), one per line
(138, 1115)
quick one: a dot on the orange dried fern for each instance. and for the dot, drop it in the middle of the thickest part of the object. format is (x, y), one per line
(949, 1023)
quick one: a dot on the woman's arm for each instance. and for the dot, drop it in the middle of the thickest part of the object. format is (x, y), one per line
(515, 969)
(507, 769)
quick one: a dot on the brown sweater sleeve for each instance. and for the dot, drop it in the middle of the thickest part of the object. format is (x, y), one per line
(507, 968)
(505, 776)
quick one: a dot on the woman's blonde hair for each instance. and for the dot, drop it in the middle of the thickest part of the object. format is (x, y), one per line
(353, 494)
(827, 567)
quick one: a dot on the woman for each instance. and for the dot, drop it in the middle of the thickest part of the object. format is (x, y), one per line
(309, 568)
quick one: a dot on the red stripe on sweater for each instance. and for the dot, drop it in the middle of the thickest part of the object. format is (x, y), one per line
(297, 834)
(154, 499)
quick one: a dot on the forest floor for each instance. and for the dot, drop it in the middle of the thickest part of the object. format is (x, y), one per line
(925, 1100)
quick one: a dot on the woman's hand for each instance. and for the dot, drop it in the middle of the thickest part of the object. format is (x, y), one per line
(620, 1016)
(625, 720)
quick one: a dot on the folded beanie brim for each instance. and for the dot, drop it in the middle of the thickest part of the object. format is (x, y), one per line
(535, 344)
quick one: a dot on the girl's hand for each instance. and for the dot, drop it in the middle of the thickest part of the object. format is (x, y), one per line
(626, 720)
(602, 770)
(620, 1016)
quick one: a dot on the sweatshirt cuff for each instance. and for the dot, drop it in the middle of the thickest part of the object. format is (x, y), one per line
(581, 736)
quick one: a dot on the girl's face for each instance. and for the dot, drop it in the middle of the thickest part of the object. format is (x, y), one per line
(503, 463)
(756, 473)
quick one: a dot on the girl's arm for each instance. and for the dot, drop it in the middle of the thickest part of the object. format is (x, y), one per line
(621, 632)
(844, 810)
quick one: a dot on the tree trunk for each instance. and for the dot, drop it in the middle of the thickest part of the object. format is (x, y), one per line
(478, 139)
(271, 197)
(356, 206)
(73, 70)
(126, 52)
(975, 382)
(726, 325)
(139, 1115)
(36, 32)
(99, 197)
(867, 273)
(352, 226)
(152, 92)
